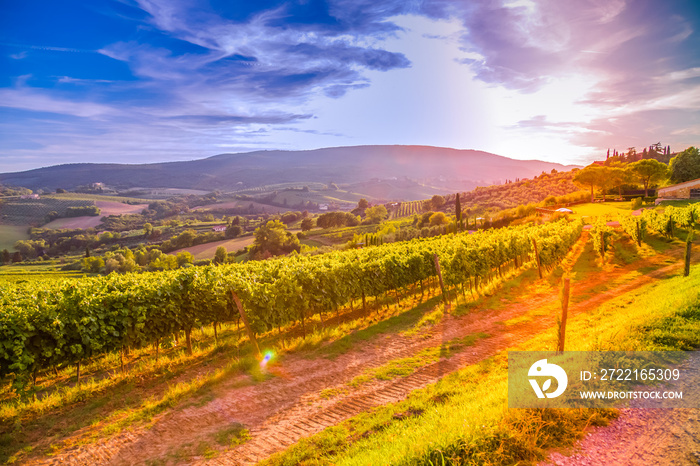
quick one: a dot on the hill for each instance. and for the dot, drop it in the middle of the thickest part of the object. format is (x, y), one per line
(433, 166)
(524, 191)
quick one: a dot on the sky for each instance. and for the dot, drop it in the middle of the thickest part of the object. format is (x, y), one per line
(136, 81)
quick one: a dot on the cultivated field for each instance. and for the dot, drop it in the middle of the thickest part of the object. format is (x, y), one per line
(107, 208)
(10, 234)
(207, 250)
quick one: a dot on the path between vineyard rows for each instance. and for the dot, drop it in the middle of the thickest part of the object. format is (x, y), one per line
(280, 411)
(640, 437)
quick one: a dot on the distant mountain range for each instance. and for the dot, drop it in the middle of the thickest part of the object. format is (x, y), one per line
(342, 165)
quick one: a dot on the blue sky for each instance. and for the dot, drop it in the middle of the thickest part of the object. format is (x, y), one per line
(163, 80)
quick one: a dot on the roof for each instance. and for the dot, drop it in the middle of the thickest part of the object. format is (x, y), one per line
(685, 184)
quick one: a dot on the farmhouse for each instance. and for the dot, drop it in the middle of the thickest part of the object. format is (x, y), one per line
(687, 190)
(219, 228)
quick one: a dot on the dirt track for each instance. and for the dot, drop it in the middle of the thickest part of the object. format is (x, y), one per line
(641, 437)
(284, 409)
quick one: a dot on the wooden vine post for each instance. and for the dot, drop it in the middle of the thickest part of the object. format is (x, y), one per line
(564, 311)
(688, 244)
(439, 274)
(639, 233)
(537, 257)
(244, 318)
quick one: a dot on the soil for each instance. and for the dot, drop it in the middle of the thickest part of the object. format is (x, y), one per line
(641, 437)
(283, 409)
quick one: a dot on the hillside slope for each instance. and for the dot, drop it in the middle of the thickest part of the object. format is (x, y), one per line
(337, 164)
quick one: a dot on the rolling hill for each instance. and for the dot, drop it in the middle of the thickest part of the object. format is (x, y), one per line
(434, 166)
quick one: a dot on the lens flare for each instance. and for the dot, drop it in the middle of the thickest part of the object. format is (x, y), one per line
(266, 358)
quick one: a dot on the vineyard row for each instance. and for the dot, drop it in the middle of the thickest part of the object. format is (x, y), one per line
(60, 323)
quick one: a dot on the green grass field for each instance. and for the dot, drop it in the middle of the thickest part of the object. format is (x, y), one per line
(97, 197)
(602, 208)
(10, 234)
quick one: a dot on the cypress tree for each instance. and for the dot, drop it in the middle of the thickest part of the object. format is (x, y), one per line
(458, 212)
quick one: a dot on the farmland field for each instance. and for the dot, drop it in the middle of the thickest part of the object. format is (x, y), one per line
(97, 197)
(241, 205)
(207, 250)
(107, 208)
(10, 234)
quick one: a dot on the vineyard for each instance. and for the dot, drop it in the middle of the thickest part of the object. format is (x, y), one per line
(406, 209)
(307, 311)
(57, 324)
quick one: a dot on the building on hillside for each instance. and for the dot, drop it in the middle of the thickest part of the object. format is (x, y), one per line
(687, 190)
(29, 196)
(219, 228)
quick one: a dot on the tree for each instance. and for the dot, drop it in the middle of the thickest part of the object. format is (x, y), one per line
(185, 239)
(648, 172)
(233, 231)
(220, 255)
(93, 264)
(362, 204)
(121, 261)
(439, 218)
(437, 201)
(307, 224)
(336, 219)
(30, 248)
(617, 177)
(273, 238)
(376, 213)
(458, 211)
(6, 256)
(685, 166)
(147, 229)
(591, 176)
(184, 257)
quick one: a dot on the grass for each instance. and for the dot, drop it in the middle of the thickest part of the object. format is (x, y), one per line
(464, 419)
(679, 202)
(406, 366)
(428, 320)
(232, 435)
(10, 234)
(47, 270)
(602, 208)
(97, 197)
(375, 325)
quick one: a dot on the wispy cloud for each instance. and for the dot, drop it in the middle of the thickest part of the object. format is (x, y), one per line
(172, 76)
